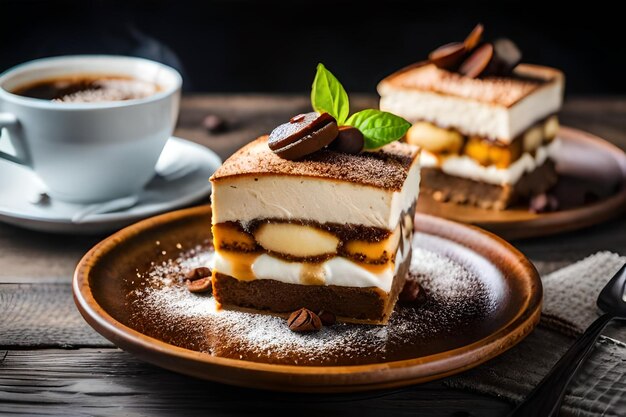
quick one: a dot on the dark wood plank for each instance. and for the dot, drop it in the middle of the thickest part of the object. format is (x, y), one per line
(28, 254)
(112, 382)
(43, 315)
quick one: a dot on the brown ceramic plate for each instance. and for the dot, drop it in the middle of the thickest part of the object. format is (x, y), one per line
(592, 189)
(483, 297)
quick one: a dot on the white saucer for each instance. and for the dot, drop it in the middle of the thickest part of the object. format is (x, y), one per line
(18, 186)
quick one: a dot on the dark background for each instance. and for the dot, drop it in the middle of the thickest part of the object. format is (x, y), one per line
(272, 46)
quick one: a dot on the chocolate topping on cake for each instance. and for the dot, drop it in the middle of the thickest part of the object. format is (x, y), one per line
(349, 140)
(386, 168)
(304, 134)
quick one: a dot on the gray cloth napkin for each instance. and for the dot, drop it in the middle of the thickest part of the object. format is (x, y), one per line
(599, 388)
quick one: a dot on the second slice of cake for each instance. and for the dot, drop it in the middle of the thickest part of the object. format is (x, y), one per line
(331, 231)
(487, 124)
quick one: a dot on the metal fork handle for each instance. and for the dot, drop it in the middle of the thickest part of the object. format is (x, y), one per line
(545, 399)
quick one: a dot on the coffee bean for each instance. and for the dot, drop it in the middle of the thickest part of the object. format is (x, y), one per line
(349, 140)
(448, 56)
(198, 273)
(543, 203)
(476, 64)
(327, 318)
(304, 320)
(214, 124)
(298, 127)
(303, 135)
(474, 38)
(412, 292)
(506, 56)
(298, 118)
(200, 285)
(40, 199)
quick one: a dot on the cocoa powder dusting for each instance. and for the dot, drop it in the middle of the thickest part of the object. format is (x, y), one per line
(460, 307)
(386, 168)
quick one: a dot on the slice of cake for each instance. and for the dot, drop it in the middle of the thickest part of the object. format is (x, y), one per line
(487, 126)
(329, 231)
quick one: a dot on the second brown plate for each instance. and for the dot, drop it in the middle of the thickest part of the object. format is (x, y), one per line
(589, 163)
(483, 297)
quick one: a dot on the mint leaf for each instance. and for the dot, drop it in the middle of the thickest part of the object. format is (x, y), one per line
(378, 127)
(328, 95)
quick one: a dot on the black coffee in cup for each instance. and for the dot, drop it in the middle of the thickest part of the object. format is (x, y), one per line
(88, 89)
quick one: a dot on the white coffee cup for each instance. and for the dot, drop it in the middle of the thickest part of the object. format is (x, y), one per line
(89, 152)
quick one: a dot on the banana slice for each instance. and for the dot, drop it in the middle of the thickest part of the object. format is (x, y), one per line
(434, 139)
(296, 240)
(533, 138)
(551, 127)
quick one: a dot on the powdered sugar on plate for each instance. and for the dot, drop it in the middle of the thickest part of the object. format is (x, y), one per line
(463, 292)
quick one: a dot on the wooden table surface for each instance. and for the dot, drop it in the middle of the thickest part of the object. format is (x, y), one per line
(51, 362)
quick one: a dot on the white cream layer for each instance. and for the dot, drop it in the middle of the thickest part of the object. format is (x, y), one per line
(242, 199)
(338, 271)
(472, 117)
(466, 167)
